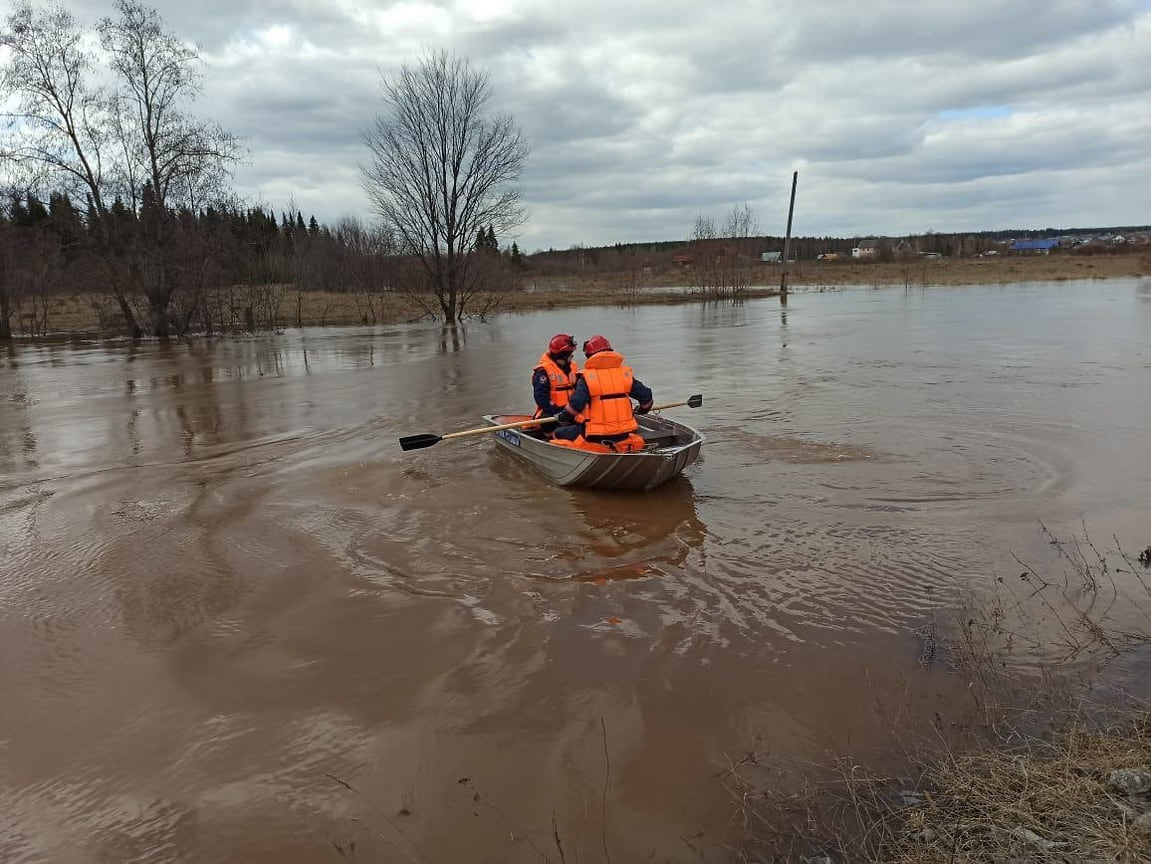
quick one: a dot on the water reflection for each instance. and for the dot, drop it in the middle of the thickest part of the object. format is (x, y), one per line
(18, 440)
(635, 536)
(722, 313)
(453, 336)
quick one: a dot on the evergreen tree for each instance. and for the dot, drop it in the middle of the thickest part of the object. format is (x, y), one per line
(92, 216)
(64, 219)
(121, 215)
(517, 258)
(486, 240)
(19, 212)
(37, 212)
(313, 226)
(300, 221)
(152, 215)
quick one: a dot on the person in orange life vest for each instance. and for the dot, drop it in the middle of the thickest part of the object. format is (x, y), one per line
(599, 412)
(554, 378)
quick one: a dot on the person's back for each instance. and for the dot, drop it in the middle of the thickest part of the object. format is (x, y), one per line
(609, 383)
(599, 412)
(554, 376)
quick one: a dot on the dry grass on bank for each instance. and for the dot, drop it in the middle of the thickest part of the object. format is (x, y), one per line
(995, 270)
(1036, 800)
(1029, 777)
(271, 307)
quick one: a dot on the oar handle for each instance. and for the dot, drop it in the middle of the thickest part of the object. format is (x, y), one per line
(520, 425)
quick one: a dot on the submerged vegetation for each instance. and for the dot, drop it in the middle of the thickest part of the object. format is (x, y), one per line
(1051, 760)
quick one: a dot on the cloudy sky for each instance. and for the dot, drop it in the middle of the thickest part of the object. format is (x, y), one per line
(900, 115)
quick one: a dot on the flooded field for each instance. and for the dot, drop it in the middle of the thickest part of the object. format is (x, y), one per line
(237, 623)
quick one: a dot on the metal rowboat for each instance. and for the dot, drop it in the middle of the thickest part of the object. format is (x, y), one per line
(671, 447)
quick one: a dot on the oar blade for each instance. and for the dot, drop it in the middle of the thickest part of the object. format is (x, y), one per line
(417, 442)
(695, 401)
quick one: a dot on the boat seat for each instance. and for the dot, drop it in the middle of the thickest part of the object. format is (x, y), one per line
(658, 437)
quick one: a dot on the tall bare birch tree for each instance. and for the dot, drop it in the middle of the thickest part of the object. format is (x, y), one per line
(442, 168)
(159, 77)
(59, 129)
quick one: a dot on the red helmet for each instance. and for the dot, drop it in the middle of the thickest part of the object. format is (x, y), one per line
(596, 344)
(562, 344)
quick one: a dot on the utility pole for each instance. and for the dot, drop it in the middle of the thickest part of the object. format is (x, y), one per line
(787, 241)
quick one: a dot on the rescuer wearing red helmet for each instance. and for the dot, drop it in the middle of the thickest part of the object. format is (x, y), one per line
(599, 414)
(554, 378)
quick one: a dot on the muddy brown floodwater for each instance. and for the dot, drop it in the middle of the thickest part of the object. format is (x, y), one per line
(223, 585)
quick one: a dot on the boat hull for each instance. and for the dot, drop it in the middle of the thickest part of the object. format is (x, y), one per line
(568, 466)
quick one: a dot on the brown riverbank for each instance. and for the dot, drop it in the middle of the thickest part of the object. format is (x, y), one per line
(280, 306)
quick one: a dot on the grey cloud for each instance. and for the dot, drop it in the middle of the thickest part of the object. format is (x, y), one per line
(642, 114)
(569, 115)
(513, 38)
(977, 29)
(321, 111)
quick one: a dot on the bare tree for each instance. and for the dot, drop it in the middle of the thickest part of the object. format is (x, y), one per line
(721, 269)
(181, 157)
(136, 141)
(704, 228)
(441, 169)
(61, 123)
(741, 222)
(9, 284)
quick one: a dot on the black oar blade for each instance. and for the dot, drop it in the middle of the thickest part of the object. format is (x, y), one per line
(417, 442)
(695, 401)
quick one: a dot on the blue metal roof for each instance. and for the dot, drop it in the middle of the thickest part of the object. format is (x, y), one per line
(1033, 245)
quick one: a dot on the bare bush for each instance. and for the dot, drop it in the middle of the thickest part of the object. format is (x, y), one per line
(724, 258)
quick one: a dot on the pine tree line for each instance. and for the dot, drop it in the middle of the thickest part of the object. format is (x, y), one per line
(132, 262)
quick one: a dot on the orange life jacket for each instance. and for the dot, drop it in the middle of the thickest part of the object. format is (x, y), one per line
(608, 382)
(562, 383)
(633, 443)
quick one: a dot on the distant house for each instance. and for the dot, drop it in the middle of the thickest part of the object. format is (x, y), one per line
(1034, 247)
(771, 257)
(682, 260)
(866, 249)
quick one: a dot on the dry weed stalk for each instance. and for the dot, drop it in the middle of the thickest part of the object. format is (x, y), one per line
(1028, 780)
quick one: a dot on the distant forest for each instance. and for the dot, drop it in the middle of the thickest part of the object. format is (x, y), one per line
(171, 271)
(622, 256)
(158, 270)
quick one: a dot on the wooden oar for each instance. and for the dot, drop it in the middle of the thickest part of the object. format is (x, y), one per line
(417, 442)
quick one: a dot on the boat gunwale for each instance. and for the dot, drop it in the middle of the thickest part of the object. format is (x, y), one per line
(665, 453)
